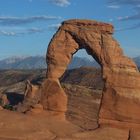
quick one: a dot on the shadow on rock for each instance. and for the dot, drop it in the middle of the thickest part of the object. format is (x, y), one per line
(14, 98)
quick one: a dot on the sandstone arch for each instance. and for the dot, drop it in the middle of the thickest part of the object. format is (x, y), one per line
(121, 94)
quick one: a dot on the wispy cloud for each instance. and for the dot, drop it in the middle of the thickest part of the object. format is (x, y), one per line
(133, 17)
(135, 26)
(25, 20)
(120, 18)
(113, 6)
(19, 31)
(54, 26)
(61, 3)
(125, 2)
(4, 32)
(135, 4)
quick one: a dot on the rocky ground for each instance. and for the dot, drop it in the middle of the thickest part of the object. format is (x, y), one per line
(83, 104)
(83, 97)
(81, 118)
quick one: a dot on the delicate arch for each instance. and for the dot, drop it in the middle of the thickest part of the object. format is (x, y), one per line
(118, 70)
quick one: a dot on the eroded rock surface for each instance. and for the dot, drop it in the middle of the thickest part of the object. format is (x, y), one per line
(32, 98)
(121, 93)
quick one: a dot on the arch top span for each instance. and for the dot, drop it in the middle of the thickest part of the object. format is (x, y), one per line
(95, 37)
(90, 25)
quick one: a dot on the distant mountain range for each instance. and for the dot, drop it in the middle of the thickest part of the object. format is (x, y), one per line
(39, 62)
(31, 62)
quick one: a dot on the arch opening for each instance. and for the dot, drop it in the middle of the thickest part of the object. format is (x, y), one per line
(82, 59)
(83, 85)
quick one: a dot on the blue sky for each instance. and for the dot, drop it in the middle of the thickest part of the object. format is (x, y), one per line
(26, 26)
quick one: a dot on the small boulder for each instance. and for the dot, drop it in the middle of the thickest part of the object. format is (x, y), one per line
(1, 108)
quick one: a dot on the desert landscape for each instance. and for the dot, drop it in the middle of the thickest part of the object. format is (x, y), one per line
(86, 103)
(69, 70)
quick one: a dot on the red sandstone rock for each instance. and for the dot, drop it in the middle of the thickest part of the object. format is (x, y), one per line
(1, 108)
(121, 94)
(31, 90)
(53, 96)
(106, 133)
(4, 100)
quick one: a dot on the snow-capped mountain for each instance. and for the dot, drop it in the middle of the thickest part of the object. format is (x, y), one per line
(39, 62)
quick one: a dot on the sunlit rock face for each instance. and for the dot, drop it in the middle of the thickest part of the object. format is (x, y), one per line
(121, 93)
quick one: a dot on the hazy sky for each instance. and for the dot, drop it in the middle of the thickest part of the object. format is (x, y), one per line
(26, 26)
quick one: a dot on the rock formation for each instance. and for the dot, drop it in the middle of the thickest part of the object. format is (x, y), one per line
(121, 93)
(32, 97)
(3, 100)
